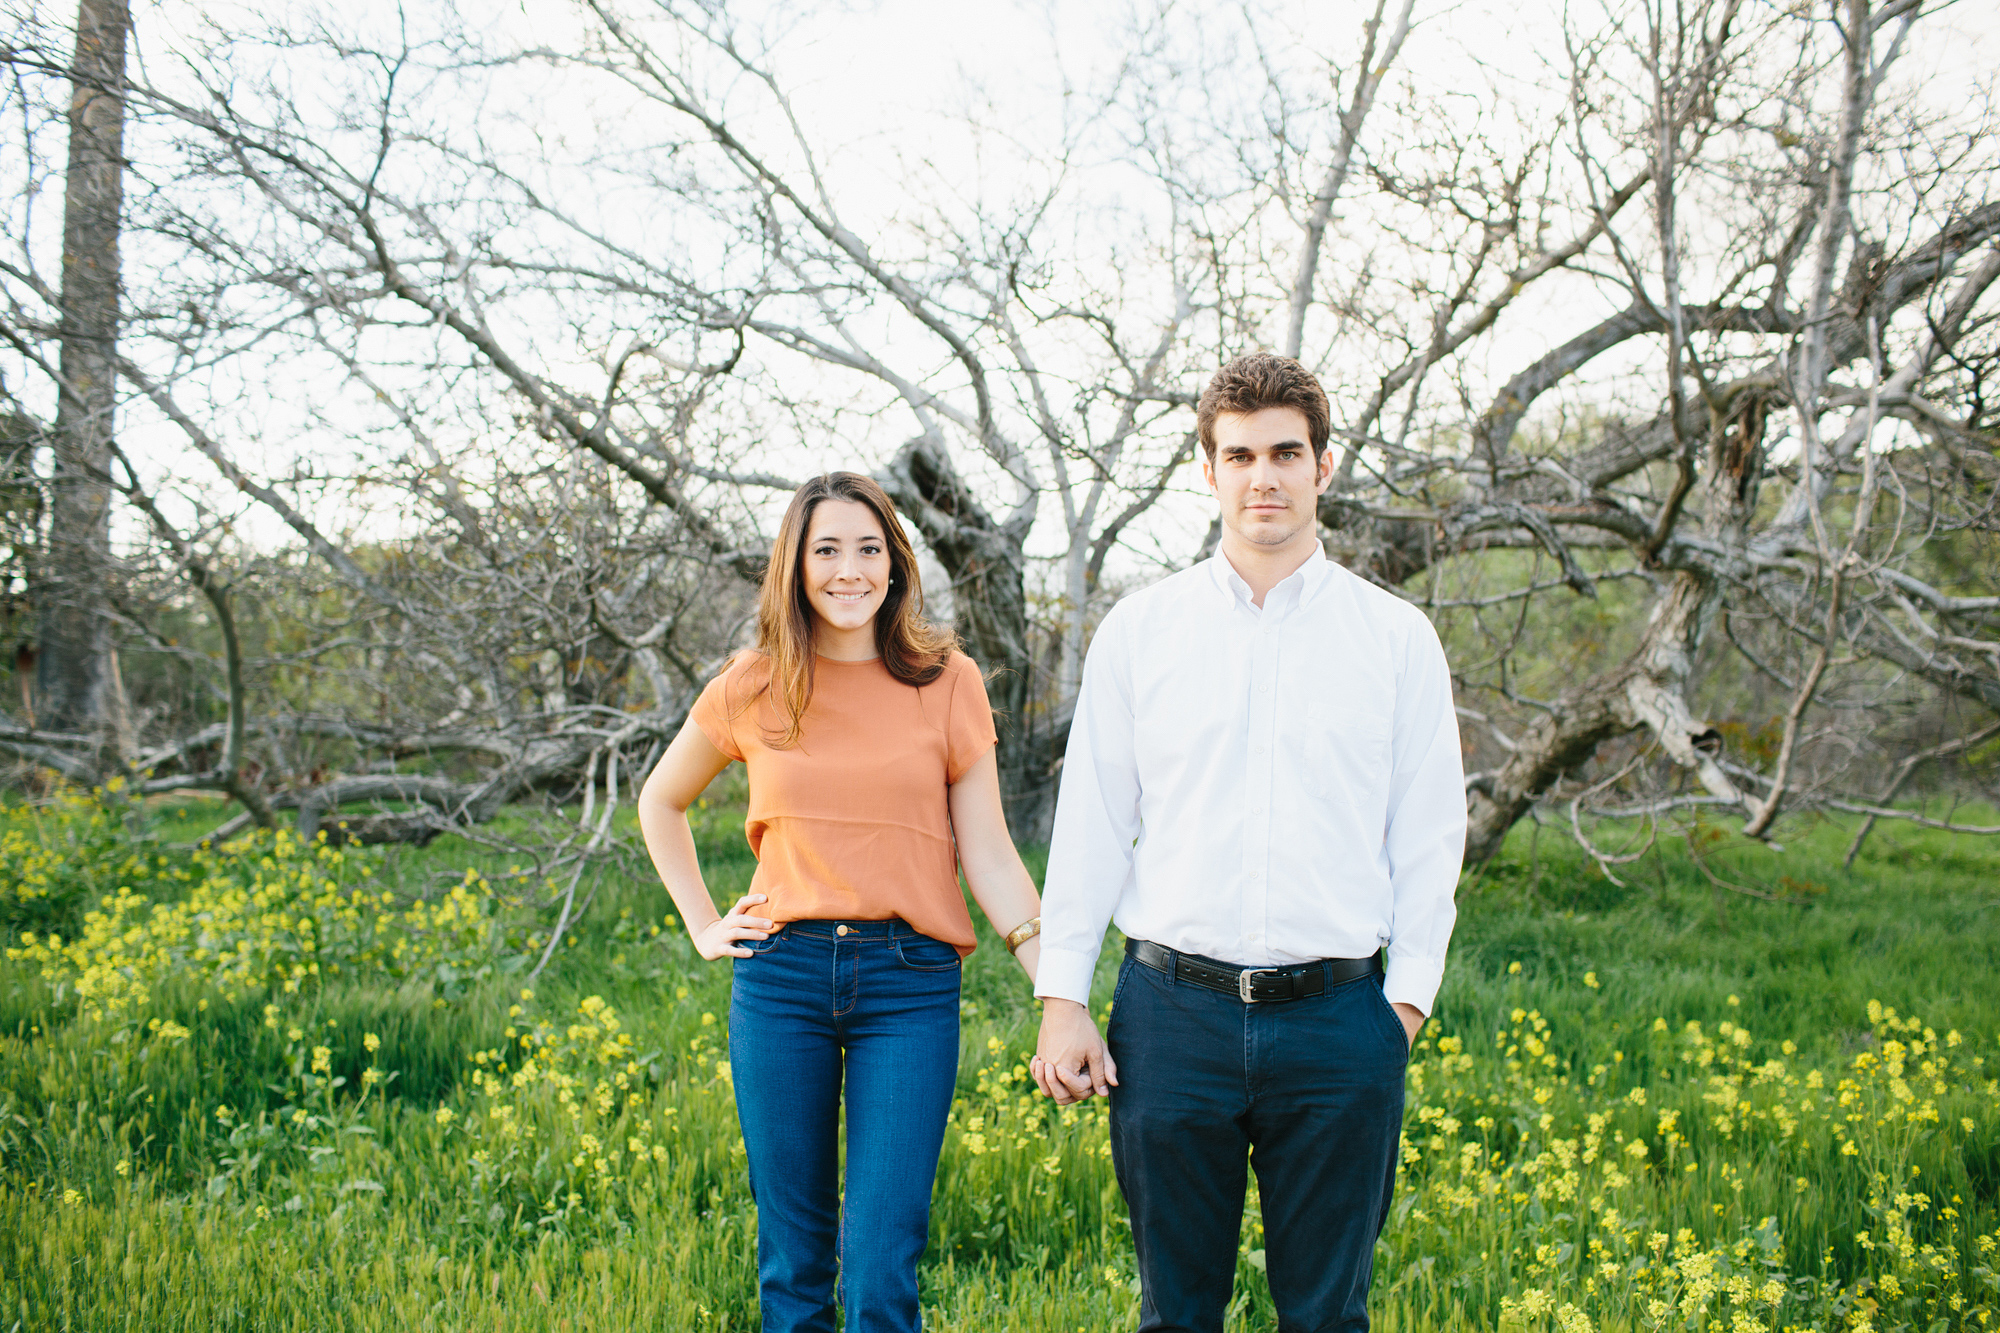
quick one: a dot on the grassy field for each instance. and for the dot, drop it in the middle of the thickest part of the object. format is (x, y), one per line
(275, 1086)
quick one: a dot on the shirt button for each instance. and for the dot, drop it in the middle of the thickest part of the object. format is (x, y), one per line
(840, 930)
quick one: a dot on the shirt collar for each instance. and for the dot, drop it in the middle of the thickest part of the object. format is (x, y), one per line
(1309, 578)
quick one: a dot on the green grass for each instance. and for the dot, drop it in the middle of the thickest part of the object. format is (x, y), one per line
(182, 1163)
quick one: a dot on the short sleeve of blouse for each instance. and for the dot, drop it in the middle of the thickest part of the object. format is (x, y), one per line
(969, 730)
(711, 713)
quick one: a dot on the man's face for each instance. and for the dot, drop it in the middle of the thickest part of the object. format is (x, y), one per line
(1264, 474)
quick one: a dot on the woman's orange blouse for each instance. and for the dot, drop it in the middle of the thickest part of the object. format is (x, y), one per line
(852, 823)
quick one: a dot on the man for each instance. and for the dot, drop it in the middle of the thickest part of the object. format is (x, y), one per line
(1263, 788)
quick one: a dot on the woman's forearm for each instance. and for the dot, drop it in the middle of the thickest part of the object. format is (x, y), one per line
(670, 842)
(1007, 896)
(1000, 883)
(675, 783)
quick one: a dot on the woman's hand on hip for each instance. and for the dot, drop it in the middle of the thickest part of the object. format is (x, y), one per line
(718, 939)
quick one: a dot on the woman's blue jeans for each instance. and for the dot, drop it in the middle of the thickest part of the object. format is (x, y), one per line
(872, 1004)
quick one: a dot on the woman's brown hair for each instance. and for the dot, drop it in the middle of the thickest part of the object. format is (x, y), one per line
(912, 648)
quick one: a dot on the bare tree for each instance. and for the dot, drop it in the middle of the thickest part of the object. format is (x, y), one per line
(77, 656)
(1752, 184)
(1695, 332)
(346, 239)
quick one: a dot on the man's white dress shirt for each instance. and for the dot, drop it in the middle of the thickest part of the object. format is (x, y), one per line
(1265, 787)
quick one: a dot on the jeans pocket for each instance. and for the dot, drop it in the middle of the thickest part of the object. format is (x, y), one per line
(1393, 1021)
(1124, 971)
(924, 954)
(758, 948)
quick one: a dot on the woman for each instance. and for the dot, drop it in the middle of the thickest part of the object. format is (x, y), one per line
(869, 742)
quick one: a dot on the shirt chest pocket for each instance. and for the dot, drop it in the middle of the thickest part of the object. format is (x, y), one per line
(1344, 747)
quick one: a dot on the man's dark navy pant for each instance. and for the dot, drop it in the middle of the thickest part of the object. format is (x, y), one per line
(1309, 1091)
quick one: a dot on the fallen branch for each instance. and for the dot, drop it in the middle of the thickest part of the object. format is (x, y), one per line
(1902, 775)
(1910, 816)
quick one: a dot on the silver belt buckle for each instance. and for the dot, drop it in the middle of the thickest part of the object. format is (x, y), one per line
(1243, 982)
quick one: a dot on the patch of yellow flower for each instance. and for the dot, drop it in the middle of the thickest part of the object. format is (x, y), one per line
(55, 852)
(566, 1114)
(266, 911)
(1572, 1184)
(1006, 1116)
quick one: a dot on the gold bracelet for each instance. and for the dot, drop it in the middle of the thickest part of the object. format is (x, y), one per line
(1022, 933)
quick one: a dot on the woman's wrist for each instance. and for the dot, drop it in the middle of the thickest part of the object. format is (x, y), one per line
(1029, 956)
(1022, 933)
(697, 927)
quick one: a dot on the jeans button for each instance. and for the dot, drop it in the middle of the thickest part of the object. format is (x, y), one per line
(840, 930)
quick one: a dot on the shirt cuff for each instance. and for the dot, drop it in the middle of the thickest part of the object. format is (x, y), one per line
(1412, 981)
(1064, 974)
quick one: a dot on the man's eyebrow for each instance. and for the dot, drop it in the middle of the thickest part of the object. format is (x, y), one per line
(1246, 449)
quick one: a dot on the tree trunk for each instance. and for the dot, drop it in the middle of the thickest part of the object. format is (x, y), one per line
(985, 559)
(1647, 690)
(77, 670)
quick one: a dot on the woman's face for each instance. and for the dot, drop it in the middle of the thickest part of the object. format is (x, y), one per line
(846, 565)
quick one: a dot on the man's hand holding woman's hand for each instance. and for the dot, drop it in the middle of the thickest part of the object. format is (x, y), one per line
(718, 939)
(1071, 1063)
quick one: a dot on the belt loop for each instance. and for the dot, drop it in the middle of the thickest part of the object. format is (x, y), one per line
(1173, 966)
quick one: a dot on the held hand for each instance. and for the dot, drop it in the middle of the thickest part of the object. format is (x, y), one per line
(1413, 1019)
(1071, 1063)
(717, 940)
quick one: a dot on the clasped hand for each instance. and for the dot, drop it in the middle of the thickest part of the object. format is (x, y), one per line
(1071, 1063)
(717, 939)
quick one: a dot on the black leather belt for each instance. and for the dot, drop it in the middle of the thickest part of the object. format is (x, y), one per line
(1252, 985)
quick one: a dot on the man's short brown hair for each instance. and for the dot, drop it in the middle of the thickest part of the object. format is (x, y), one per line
(1255, 381)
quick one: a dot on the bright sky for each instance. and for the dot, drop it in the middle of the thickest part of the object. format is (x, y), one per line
(884, 90)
